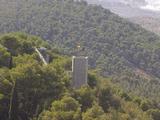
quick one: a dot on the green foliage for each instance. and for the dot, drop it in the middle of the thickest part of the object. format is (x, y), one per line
(155, 113)
(137, 100)
(145, 105)
(94, 113)
(131, 111)
(1, 96)
(139, 86)
(92, 80)
(65, 109)
(113, 44)
(104, 98)
(20, 43)
(37, 85)
(107, 99)
(29, 86)
(5, 87)
(125, 95)
(4, 57)
(85, 96)
(118, 49)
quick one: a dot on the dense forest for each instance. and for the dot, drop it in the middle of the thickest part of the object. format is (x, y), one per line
(149, 23)
(31, 90)
(125, 53)
(114, 45)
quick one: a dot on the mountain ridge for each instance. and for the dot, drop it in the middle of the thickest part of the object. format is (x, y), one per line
(133, 12)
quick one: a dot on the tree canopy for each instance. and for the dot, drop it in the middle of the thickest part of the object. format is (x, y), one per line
(115, 46)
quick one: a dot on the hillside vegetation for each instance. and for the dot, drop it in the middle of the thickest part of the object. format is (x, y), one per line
(146, 18)
(31, 90)
(111, 42)
(116, 47)
(150, 23)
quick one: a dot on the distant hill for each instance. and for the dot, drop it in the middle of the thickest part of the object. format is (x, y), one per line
(150, 23)
(126, 8)
(132, 10)
(114, 45)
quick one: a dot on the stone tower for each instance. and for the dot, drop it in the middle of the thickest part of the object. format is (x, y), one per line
(79, 71)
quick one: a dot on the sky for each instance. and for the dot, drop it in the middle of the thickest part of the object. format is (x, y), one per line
(153, 5)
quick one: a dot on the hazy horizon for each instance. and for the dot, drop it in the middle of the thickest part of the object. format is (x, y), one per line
(153, 5)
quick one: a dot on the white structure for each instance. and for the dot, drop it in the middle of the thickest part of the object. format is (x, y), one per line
(79, 71)
(43, 55)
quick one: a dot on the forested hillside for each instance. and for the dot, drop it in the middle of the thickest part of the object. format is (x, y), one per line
(149, 23)
(31, 90)
(145, 17)
(116, 47)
